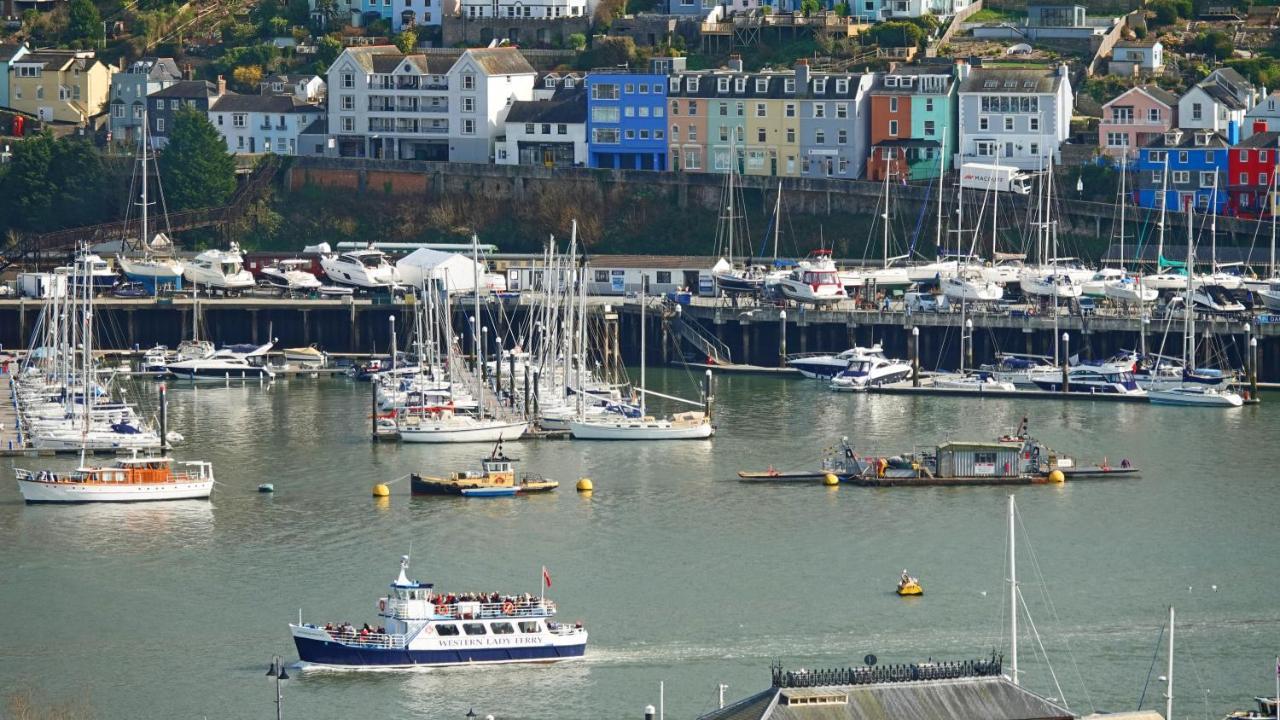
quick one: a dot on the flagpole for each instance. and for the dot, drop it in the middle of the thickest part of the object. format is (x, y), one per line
(1276, 706)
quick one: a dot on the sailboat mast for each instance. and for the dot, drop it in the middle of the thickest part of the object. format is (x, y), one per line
(144, 239)
(886, 215)
(644, 285)
(777, 225)
(937, 234)
(1013, 595)
(475, 329)
(1188, 316)
(1123, 158)
(1164, 201)
(1213, 230)
(1168, 688)
(995, 212)
(1272, 273)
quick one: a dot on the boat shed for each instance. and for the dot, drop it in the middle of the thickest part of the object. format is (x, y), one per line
(979, 459)
(924, 691)
(457, 271)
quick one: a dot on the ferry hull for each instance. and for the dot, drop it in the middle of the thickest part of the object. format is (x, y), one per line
(43, 492)
(333, 654)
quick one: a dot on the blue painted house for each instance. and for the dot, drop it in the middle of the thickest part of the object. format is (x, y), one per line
(626, 118)
(1197, 160)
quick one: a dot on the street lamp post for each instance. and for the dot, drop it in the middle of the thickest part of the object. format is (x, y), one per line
(278, 672)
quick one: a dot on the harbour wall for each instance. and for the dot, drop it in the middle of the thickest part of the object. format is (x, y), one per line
(747, 334)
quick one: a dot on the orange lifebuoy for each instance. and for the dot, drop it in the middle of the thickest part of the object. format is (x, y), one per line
(508, 608)
(442, 609)
(382, 604)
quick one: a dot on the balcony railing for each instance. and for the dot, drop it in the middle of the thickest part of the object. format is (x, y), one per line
(1143, 122)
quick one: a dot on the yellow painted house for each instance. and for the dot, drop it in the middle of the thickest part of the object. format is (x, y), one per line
(67, 86)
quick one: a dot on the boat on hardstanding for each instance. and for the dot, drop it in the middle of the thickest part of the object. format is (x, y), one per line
(421, 627)
(496, 477)
(366, 269)
(218, 270)
(135, 479)
(290, 276)
(814, 281)
(155, 267)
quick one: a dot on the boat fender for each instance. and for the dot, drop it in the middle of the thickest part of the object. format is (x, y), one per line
(508, 608)
(382, 605)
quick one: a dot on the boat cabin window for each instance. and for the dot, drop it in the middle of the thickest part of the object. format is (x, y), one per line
(473, 628)
(371, 260)
(530, 626)
(447, 630)
(820, 278)
(502, 628)
(987, 458)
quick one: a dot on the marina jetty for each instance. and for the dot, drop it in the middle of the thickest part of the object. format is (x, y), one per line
(684, 326)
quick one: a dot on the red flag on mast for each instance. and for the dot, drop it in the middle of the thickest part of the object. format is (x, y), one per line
(546, 576)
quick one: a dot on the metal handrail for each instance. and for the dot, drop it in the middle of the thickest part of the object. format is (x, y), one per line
(372, 640)
(540, 609)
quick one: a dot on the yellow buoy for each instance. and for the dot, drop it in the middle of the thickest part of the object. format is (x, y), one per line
(1057, 477)
(380, 491)
(585, 485)
(830, 480)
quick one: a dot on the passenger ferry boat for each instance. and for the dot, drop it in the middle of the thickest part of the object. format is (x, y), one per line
(135, 479)
(424, 628)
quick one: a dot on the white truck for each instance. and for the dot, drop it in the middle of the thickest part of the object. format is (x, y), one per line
(1001, 178)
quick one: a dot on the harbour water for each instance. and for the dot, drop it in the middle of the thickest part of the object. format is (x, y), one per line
(682, 574)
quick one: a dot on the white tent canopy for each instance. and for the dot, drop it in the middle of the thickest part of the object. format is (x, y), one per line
(457, 271)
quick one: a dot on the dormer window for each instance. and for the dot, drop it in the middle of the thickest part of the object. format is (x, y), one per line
(842, 86)
(722, 85)
(762, 85)
(1202, 138)
(549, 82)
(1011, 83)
(789, 85)
(568, 82)
(1172, 138)
(1028, 84)
(989, 84)
(820, 85)
(740, 85)
(693, 84)
(891, 81)
(908, 81)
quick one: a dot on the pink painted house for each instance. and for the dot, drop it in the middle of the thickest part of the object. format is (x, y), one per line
(1134, 118)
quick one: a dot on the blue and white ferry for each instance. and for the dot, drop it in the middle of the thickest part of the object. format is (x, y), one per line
(420, 627)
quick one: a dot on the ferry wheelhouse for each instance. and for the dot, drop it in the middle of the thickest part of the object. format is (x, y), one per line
(135, 479)
(420, 627)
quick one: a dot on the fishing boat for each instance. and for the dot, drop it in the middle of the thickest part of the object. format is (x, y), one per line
(496, 476)
(289, 276)
(93, 269)
(218, 270)
(421, 627)
(909, 586)
(366, 269)
(135, 479)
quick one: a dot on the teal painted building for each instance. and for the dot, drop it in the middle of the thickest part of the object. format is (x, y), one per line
(8, 53)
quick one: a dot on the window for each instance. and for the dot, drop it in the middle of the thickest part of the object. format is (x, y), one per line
(791, 135)
(692, 160)
(722, 160)
(604, 136)
(722, 85)
(28, 71)
(348, 102)
(446, 629)
(893, 128)
(348, 80)
(39, 92)
(664, 277)
(531, 626)
(219, 119)
(629, 88)
(842, 110)
(658, 110)
(629, 111)
(1183, 156)
(761, 110)
(985, 148)
(819, 137)
(789, 110)
(842, 137)
(1244, 156)
(629, 134)
(928, 105)
(468, 127)
(348, 124)
(893, 104)
(1008, 124)
(469, 82)
(929, 127)
(605, 114)
(675, 107)
(693, 84)
(604, 91)
(762, 85)
(239, 120)
(1244, 179)
(789, 85)
(240, 141)
(1262, 156)
(1153, 114)
(762, 135)
(692, 107)
(117, 111)
(819, 110)
(502, 628)
(644, 134)
(1197, 113)
(693, 133)
(1157, 178)
(984, 123)
(562, 129)
(528, 128)
(1263, 179)
(473, 628)
(740, 108)
(740, 85)
(1157, 156)
(1035, 149)
(546, 128)
(1115, 139)
(468, 104)
(1181, 177)
(644, 111)
(159, 125)
(724, 134)
(842, 86)
(644, 89)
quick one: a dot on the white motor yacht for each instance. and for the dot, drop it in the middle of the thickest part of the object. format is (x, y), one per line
(366, 269)
(1100, 378)
(828, 366)
(290, 276)
(218, 270)
(1195, 394)
(1271, 295)
(865, 372)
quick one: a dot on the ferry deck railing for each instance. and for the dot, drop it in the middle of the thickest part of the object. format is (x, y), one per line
(369, 640)
(480, 611)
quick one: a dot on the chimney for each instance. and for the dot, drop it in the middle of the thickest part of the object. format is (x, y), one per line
(962, 69)
(1062, 70)
(222, 86)
(893, 67)
(802, 75)
(188, 72)
(735, 63)
(1259, 126)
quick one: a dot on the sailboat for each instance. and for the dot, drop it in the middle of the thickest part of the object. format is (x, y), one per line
(730, 276)
(1049, 281)
(690, 425)
(1192, 393)
(887, 276)
(1115, 282)
(970, 283)
(1270, 293)
(156, 268)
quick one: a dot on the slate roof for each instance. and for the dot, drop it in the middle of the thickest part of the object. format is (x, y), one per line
(980, 698)
(571, 109)
(1222, 95)
(275, 104)
(319, 126)
(188, 89)
(54, 59)
(364, 55)
(1012, 80)
(1268, 139)
(1188, 140)
(775, 87)
(501, 61)
(8, 50)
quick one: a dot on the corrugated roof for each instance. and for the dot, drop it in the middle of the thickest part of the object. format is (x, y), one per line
(981, 698)
(1012, 80)
(501, 61)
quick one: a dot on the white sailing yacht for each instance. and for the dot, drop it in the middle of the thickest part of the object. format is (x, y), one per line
(1192, 393)
(1115, 282)
(690, 425)
(970, 283)
(156, 268)
(1049, 281)
(731, 276)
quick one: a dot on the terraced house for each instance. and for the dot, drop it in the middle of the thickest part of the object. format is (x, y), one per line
(626, 118)
(773, 123)
(1197, 167)
(1019, 115)
(67, 86)
(911, 123)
